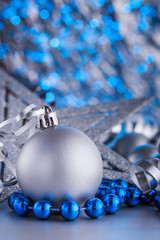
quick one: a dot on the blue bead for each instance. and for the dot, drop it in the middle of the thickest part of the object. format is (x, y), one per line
(120, 192)
(133, 196)
(106, 182)
(111, 203)
(21, 205)
(120, 182)
(149, 197)
(102, 192)
(69, 210)
(42, 209)
(157, 200)
(12, 198)
(94, 207)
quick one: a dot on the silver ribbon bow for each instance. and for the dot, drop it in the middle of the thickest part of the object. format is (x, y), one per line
(31, 119)
(146, 174)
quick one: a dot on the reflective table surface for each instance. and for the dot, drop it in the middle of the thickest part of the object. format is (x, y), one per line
(142, 222)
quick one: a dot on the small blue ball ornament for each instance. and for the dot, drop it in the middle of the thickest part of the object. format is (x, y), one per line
(133, 197)
(94, 207)
(69, 210)
(21, 206)
(106, 183)
(120, 182)
(120, 192)
(149, 197)
(12, 198)
(111, 203)
(157, 200)
(42, 209)
(102, 192)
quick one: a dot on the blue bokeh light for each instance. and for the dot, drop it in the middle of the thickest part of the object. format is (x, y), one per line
(15, 20)
(45, 85)
(113, 81)
(81, 76)
(149, 58)
(54, 42)
(78, 24)
(50, 97)
(121, 88)
(65, 8)
(142, 68)
(87, 47)
(68, 19)
(9, 12)
(44, 14)
(94, 23)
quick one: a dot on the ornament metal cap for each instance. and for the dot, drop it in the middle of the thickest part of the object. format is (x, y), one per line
(48, 119)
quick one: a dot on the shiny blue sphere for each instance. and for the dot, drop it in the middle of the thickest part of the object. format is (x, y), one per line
(21, 206)
(120, 192)
(120, 182)
(102, 192)
(133, 196)
(12, 198)
(111, 203)
(149, 197)
(94, 207)
(69, 210)
(42, 209)
(157, 200)
(106, 182)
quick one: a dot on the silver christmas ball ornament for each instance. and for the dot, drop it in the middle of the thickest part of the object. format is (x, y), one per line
(142, 152)
(129, 141)
(59, 163)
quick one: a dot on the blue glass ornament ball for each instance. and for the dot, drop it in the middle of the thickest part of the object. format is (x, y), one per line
(69, 210)
(111, 203)
(21, 206)
(120, 182)
(157, 200)
(12, 198)
(42, 209)
(133, 197)
(149, 197)
(102, 192)
(94, 207)
(120, 192)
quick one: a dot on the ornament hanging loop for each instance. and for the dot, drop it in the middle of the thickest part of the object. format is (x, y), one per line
(48, 119)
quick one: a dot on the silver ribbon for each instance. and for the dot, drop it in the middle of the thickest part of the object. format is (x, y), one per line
(146, 174)
(30, 119)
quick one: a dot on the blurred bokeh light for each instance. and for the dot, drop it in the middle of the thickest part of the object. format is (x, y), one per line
(82, 52)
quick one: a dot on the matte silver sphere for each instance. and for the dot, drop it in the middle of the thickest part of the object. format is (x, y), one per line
(59, 163)
(142, 152)
(129, 141)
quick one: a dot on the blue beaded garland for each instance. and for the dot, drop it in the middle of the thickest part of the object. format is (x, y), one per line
(12, 198)
(69, 210)
(120, 192)
(149, 197)
(120, 182)
(42, 209)
(21, 206)
(111, 203)
(157, 200)
(102, 192)
(94, 207)
(106, 183)
(133, 197)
